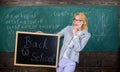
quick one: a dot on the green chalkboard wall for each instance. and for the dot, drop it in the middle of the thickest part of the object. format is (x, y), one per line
(102, 23)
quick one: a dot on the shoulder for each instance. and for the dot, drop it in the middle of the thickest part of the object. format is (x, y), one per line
(85, 31)
(69, 27)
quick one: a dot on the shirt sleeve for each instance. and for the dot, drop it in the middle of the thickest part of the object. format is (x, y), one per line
(61, 33)
(81, 40)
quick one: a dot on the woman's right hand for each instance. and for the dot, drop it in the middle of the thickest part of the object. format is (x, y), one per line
(39, 32)
(75, 32)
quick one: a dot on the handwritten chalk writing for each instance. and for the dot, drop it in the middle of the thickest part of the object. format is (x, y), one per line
(42, 58)
(11, 32)
(45, 44)
(18, 21)
(25, 16)
(25, 52)
(64, 13)
(11, 29)
(34, 44)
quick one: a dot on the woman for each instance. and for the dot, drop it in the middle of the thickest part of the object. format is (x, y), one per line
(75, 39)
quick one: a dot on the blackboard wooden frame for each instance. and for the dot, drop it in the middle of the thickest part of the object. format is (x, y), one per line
(16, 54)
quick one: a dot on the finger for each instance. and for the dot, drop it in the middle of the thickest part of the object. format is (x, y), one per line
(39, 32)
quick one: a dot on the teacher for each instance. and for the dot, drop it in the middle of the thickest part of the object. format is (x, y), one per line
(75, 39)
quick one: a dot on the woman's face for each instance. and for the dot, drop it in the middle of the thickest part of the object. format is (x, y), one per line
(77, 22)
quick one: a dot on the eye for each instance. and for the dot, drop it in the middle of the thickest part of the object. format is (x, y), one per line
(80, 20)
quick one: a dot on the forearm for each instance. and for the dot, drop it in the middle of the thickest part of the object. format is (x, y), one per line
(80, 41)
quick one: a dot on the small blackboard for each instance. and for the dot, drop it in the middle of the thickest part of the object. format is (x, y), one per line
(36, 49)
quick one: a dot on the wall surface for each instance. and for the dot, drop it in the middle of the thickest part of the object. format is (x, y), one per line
(89, 61)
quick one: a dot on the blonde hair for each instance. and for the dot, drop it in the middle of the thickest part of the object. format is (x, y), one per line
(82, 17)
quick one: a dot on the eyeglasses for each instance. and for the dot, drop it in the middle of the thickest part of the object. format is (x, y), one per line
(77, 20)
